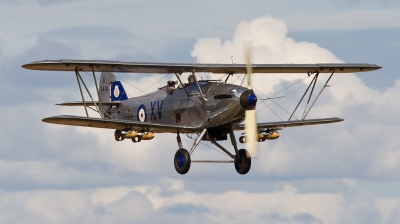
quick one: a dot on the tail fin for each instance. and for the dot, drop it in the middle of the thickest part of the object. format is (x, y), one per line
(118, 92)
(106, 79)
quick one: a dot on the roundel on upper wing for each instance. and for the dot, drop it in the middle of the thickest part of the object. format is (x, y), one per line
(116, 91)
(141, 113)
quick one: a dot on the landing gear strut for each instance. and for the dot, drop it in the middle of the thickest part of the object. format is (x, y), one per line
(182, 159)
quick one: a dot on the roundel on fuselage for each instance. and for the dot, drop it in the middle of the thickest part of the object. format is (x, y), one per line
(141, 113)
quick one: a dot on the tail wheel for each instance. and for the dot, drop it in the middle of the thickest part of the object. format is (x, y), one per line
(243, 164)
(182, 161)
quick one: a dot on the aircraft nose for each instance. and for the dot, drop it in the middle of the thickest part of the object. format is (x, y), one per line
(248, 100)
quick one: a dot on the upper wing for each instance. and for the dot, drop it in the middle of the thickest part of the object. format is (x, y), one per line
(143, 67)
(117, 124)
(286, 124)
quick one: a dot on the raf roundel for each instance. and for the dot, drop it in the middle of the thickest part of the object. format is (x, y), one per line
(116, 91)
(141, 113)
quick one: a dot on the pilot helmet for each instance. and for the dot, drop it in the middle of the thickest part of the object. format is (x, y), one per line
(191, 78)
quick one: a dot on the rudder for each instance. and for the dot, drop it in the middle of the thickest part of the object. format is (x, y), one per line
(118, 92)
(106, 79)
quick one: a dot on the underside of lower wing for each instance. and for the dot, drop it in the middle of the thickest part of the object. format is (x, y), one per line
(287, 124)
(118, 124)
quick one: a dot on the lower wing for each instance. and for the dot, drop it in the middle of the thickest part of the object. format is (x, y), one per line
(172, 128)
(287, 124)
(119, 124)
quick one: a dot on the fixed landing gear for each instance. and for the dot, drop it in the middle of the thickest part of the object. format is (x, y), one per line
(182, 161)
(118, 135)
(243, 163)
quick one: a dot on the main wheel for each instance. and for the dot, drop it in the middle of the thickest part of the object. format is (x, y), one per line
(137, 139)
(182, 161)
(118, 135)
(243, 164)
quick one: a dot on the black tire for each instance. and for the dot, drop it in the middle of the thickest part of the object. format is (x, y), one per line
(136, 139)
(118, 135)
(243, 164)
(182, 161)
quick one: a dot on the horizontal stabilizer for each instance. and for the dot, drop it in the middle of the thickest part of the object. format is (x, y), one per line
(89, 103)
(287, 124)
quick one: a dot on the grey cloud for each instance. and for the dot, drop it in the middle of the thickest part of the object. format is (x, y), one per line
(40, 2)
(13, 75)
(90, 32)
(186, 208)
(137, 57)
(359, 2)
(298, 218)
(178, 50)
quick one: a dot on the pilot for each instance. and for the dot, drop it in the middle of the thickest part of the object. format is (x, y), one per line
(191, 79)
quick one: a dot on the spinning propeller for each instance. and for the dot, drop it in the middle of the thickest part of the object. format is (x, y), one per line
(250, 115)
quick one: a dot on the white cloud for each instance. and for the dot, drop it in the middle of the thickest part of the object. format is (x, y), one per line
(37, 155)
(155, 204)
(315, 150)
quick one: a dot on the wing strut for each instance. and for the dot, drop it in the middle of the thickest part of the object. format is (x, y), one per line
(80, 89)
(312, 83)
(319, 94)
(101, 112)
(198, 86)
(79, 78)
(183, 86)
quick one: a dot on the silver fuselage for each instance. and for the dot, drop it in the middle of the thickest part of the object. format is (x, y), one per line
(173, 106)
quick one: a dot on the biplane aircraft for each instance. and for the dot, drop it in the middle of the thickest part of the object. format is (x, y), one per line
(212, 110)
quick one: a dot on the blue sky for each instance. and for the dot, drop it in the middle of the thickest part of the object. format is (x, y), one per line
(339, 173)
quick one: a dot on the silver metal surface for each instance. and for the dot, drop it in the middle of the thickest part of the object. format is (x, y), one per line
(294, 111)
(234, 144)
(81, 103)
(213, 161)
(180, 81)
(224, 150)
(199, 138)
(119, 124)
(287, 124)
(98, 95)
(87, 90)
(142, 67)
(198, 87)
(178, 139)
(319, 94)
(80, 89)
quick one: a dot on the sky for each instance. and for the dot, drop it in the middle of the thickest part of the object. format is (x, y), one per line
(346, 172)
